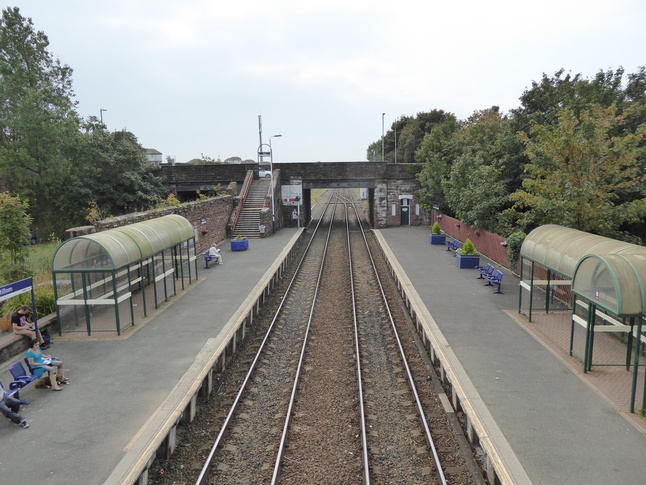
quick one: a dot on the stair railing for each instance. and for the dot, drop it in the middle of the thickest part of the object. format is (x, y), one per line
(243, 197)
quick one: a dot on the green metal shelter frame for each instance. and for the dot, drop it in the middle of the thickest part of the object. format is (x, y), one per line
(615, 283)
(104, 270)
(607, 278)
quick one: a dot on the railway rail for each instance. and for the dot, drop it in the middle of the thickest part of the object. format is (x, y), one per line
(336, 389)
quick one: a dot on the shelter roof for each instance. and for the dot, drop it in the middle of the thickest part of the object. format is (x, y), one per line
(122, 246)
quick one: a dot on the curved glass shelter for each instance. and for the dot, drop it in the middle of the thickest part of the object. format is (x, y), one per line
(608, 285)
(109, 274)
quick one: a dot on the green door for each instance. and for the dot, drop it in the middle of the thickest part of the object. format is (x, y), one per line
(405, 212)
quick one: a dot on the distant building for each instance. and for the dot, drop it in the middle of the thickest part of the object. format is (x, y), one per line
(153, 156)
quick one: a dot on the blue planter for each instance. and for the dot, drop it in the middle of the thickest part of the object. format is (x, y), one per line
(437, 239)
(241, 245)
(467, 260)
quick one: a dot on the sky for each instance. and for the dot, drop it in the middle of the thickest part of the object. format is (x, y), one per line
(194, 78)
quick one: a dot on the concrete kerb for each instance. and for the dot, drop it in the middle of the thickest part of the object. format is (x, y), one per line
(502, 463)
(158, 433)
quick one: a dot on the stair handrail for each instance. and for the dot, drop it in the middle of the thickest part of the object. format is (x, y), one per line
(270, 192)
(243, 197)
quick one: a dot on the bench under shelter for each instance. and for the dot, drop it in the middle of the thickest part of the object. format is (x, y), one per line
(608, 287)
(106, 275)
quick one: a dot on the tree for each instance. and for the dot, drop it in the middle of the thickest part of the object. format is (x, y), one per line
(37, 113)
(14, 228)
(583, 173)
(475, 189)
(109, 169)
(436, 153)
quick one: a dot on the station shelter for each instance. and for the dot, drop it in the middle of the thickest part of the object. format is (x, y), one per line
(100, 279)
(608, 287)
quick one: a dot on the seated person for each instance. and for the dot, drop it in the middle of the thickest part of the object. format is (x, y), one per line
(41, 363)
(214, 252)
(9, 406)
(22, 327)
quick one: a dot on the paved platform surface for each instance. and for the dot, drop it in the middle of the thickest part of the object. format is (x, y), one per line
(564, 427)
(79, 435)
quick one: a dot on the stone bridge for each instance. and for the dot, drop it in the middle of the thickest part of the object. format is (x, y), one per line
(392, 192)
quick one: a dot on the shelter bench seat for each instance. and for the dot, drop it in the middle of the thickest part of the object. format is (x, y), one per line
(496, 279)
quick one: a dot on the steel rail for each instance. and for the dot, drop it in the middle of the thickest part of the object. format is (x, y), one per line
(204, 473)
(420, 409)
(362, 411)
(299, 367)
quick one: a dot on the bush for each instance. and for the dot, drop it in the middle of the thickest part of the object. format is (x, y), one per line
(468, 248)
(514, 243)
(435, 229)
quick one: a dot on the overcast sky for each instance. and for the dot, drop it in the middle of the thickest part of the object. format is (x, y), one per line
(191, 77)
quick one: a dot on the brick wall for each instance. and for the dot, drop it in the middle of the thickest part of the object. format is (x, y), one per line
(214, 211)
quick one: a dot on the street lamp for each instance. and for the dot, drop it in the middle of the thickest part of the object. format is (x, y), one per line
(261, 155)
(271, 178)
(382, 136)
(101, 113)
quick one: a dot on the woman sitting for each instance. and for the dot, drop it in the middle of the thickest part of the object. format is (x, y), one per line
(40, 363)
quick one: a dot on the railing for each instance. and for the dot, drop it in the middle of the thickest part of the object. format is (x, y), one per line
(243, 197)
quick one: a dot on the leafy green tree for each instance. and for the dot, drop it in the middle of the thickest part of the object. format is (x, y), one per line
(475, 189)
(110, 170)
(36, 115)
(436, 154)
(14, 228)
(583, 174)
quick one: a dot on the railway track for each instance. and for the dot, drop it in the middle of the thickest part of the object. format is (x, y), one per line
(335, 388)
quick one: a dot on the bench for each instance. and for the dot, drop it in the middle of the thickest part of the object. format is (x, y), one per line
(485, 272)
(13, 393)
(207, 258)
(20, 378)
(496, 279)
(453, 245)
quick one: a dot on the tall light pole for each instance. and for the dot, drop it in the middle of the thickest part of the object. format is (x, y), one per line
(101, 114)
(382, 136)
(396, 119)
(271, 178)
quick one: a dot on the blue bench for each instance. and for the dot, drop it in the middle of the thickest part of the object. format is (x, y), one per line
(20, 378)
(496, 279)
(453, 245)
(485, 272)
(207, 258)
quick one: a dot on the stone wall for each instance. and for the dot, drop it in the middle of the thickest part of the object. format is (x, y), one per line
(208, 216)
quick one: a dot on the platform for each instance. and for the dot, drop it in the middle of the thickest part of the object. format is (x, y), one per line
(561, 426)
(564, 427)
(79, 435)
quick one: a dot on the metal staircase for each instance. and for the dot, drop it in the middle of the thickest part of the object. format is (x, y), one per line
(250, 214)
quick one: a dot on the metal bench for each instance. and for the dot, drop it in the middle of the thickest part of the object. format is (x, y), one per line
(453, 245)
(496, 279)
(485, 272)
(207, 258)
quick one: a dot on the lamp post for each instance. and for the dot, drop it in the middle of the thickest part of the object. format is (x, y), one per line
(101, 110)
(382, 136)
(261, 155)
(271, 178)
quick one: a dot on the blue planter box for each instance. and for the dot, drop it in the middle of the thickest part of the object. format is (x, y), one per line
(467, 260)
(242, 245)
(437, 239)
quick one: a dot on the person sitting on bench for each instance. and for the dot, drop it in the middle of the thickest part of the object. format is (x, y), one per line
(9, 406)
(41, 363)
(214, 252)
(22, 327)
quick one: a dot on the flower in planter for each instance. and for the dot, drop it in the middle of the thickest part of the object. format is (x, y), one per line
(467, 248)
